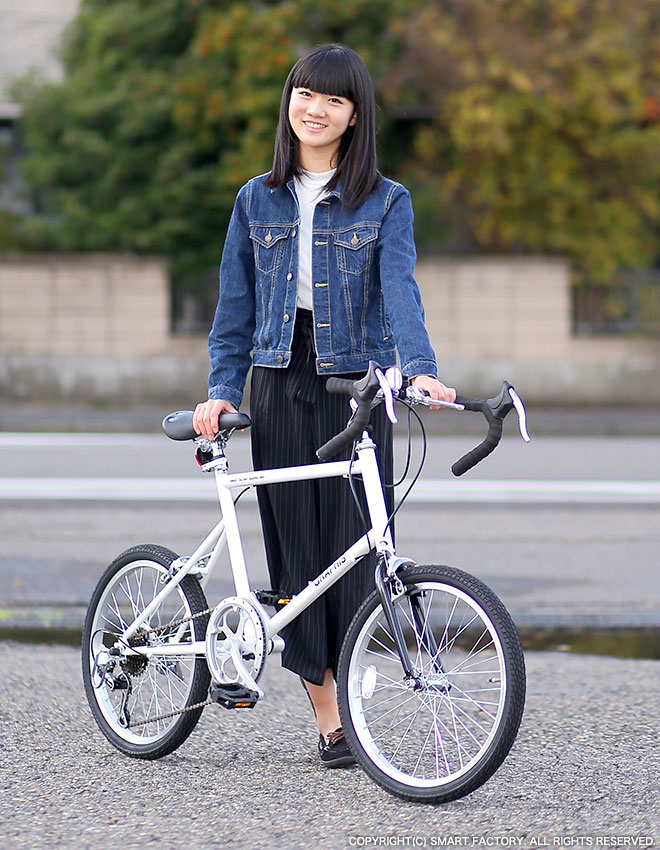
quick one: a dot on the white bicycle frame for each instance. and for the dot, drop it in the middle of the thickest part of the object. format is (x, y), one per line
(205, 558)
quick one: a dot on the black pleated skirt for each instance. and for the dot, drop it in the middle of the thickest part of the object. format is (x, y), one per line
(308, 524)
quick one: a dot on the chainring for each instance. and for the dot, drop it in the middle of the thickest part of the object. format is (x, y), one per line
(235, 620)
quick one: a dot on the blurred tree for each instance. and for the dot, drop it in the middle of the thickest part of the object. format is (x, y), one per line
(166, 108)
(107, 168)
(539, 125)
(520, 125)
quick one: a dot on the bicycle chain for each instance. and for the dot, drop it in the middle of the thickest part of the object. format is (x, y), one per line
(208, 701)
(178, 622)
(170, 714)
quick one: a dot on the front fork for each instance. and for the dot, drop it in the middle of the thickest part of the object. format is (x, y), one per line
(390, 587)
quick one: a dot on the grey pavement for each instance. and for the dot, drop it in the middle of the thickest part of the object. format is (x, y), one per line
(614, 419)
(582, 773)
(555, 564)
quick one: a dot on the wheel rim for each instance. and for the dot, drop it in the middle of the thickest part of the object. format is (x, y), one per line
(429, 736)
(158, 685)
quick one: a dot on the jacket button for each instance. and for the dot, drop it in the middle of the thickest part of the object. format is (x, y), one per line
(294, 232)
(289, 276)
(286, 317)
(280, 358)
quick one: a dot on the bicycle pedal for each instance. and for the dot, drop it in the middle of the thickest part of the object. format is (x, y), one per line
(273, 597)
(233, 695)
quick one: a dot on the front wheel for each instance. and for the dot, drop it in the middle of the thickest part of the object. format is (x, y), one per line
(442, 733)
(145, 706)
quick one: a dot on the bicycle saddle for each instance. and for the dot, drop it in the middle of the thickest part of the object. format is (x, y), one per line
(178, 425)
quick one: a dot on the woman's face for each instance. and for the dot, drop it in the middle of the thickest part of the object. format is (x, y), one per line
(319, 121)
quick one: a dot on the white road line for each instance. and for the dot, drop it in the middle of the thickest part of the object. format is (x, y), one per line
(202, 489)
(36, 440)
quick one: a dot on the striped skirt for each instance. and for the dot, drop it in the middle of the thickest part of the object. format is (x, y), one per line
(308, 524)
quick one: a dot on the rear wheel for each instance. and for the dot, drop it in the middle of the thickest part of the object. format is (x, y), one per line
(443, 733)
(144, 705)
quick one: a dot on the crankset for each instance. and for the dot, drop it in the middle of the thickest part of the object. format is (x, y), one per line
(236, 647)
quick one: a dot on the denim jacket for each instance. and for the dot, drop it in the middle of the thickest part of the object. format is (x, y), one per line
(366, 302)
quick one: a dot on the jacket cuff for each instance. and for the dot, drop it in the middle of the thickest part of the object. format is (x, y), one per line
(420, 367)
(227, 393)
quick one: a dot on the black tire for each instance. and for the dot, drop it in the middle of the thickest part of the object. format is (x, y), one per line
(442, 736)
(158, 685)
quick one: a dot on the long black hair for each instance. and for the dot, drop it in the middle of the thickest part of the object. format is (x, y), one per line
(332, 69)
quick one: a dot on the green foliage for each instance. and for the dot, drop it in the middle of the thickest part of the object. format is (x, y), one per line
(109, 167)
(541, 129)
(166, 108)
(521, 125)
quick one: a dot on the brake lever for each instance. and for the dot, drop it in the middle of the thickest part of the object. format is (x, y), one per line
(418, 396)
(522, 414)
(388, 396)
(394, 378)
(385, 394)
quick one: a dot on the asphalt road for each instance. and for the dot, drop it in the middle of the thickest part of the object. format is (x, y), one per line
(581, 555)
(583, 771)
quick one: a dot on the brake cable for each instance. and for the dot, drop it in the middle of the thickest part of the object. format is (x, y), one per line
(352, 476)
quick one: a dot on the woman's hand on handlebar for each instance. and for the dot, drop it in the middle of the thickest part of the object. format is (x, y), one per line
(436, 389)
(206, 415)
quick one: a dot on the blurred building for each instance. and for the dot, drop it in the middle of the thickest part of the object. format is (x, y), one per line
(30, 32)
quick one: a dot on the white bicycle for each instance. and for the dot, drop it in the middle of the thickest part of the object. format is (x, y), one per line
(431, 678)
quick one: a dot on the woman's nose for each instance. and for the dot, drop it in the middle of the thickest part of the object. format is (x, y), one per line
(316, 107)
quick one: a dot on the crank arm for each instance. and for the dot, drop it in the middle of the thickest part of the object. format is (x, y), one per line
(243, 673)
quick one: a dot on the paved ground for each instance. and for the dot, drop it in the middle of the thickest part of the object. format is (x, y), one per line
(571, 566)
(583, 770)
(580, 563)
(614, 419)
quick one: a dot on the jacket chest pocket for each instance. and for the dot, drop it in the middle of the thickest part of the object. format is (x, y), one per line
(355, 248)
(268, 243)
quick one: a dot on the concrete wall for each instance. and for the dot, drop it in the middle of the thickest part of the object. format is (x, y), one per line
(93, 328)
(96, 328)
(95, 306)
(495, 318)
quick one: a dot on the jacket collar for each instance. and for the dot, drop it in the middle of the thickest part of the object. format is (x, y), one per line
(334, 193)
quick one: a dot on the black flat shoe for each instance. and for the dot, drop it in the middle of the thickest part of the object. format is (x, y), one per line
(335, 752)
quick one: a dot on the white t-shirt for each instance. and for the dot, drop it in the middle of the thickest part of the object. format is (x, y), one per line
(309, 189)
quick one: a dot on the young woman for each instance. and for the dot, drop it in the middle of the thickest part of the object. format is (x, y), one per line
(316, 279)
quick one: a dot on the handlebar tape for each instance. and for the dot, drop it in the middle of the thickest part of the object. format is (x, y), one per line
(363, 391)
(494, 411)
(357, 425)
(341, 386)
(481, 451)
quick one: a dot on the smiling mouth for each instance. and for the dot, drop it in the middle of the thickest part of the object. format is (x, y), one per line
(313, 125)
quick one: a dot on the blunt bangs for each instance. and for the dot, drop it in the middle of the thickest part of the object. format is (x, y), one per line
(328, 72)
(332, 69)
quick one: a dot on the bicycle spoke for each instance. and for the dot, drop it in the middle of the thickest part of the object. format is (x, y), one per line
(160, 685)
(424, 732)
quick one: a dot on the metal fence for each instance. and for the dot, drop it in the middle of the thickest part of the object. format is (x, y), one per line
(628, 305)
(192, 311)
